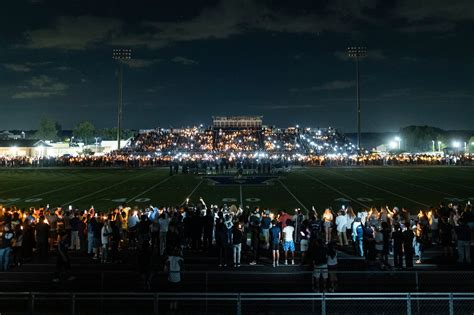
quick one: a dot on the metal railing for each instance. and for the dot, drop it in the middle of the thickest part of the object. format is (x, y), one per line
(240, 280)
(77, 303)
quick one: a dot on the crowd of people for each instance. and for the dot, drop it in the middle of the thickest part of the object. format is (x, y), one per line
(210, 162)
(212, 148)
(387, 238)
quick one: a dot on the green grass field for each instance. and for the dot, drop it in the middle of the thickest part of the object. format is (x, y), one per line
(415, 187)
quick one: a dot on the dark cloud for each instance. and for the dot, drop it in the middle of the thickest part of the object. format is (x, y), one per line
(184, 61)
(40, 87)
(141, 63)
(238, 53)
(72, 33)
(329, 86)
(289, 106)
(17, 67)
(233, 17)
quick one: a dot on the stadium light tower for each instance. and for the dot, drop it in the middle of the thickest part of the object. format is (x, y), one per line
(357, 52)
(121, 55)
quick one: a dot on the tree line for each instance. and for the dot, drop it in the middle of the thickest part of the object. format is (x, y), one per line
(84, 131)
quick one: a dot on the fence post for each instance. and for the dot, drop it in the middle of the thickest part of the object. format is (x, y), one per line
(451, 304)
(239, 305)
(155, 304)
(417, 290)
(32, 303)
(73, 304)
(207, 289)
(417, 281)
(323, 304)
(102, 281)
(408, 304)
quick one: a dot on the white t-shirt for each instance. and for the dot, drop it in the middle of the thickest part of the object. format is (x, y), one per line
(132, 221)
(332, 260)
(288, 233)
(349, 221)
(378, 240)
(174, 269)
(164, 224)
(341, 221)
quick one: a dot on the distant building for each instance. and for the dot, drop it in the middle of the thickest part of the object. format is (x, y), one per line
(22, 147)
(237, 122)
(7, 135)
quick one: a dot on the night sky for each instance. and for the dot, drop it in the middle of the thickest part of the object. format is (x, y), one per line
(284, 60)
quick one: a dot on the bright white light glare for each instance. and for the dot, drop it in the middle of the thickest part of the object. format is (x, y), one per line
(456, 144)
(398, 139)
(393, 145)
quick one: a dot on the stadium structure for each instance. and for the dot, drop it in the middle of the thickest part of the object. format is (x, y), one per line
(237, 122)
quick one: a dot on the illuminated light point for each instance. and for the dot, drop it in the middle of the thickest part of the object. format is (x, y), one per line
(357, 52)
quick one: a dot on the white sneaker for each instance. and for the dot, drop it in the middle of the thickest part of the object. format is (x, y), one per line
(278, 263)
(274, 264)
(286, 262)
(292, 262)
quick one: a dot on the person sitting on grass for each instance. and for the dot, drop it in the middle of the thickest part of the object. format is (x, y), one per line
(288, 241)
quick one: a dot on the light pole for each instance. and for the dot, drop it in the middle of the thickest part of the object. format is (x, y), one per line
(357, 52)
(439, 146)
(433, 145)
(121, 55)
(398, 140)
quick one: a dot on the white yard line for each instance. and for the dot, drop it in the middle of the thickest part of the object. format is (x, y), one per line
(336, 190)
(414, 185)
(68, 186)
(438, 181)
(381, 189)
(192, 192)
(292, 195)
(149, 189)
(59, 189)
(103, 189)
(16, 188)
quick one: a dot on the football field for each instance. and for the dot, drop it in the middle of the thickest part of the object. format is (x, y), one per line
(414, 187)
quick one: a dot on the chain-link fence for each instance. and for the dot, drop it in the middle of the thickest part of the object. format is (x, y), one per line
(237, 303)
(232, 280)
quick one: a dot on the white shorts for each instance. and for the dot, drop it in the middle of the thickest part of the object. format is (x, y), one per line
(320, 270)
(304, 244)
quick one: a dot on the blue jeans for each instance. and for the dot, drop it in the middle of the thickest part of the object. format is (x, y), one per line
(360, 247)
(464, 252)
(90, 242)
(5, 258)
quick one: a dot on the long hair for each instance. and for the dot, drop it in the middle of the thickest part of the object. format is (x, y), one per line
(350, 212)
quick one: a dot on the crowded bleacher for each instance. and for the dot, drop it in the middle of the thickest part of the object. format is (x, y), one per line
(237, 141)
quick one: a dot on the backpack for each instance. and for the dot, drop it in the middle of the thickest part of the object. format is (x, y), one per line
(360, 231)
(315, 227)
